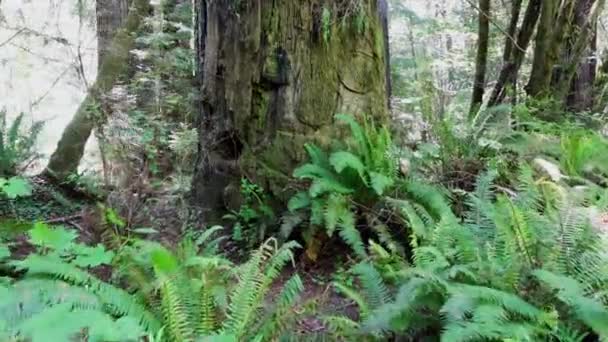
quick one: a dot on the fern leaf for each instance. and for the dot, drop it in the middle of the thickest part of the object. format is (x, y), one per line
(589, 311)
(336, 209)
(351, 235)
(13, 132)
(175, 310)
(317, 156)
(380, 182)
(375, 290)
(298, 201)
(345, 160)
(364, 308)
(322, 186)
(282, 313)
(358, 133)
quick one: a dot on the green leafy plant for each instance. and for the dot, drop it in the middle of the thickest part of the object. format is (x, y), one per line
(17, 146)
(361, 188)
(345, 182)
(184, 295)
(522, 268)
(253, 219)
(15, 187)
(58, 298)
(194, 294)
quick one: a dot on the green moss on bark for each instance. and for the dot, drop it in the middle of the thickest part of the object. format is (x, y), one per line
(271, 81)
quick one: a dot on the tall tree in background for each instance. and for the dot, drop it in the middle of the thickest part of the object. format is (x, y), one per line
(565, 45)
(515, 49)
(582, 96)
(563, 63)
(111, 16)
(481, 62)
(273, 74)
(546, 42)
(115, 44)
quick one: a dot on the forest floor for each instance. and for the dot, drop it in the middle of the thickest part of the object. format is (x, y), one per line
(77, 210)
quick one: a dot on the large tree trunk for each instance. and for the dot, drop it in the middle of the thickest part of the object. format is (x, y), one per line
(483, 42)
(540, 78)
(273, 74)
(114, 63)
(581, 96)
(111, 16)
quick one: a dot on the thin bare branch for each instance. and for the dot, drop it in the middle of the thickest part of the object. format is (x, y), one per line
(495, 24)
(12, 37)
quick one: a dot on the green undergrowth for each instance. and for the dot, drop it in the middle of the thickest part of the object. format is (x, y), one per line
(518, 255)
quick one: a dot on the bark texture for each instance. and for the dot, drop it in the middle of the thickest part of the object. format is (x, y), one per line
(581, 66)
(540, 78)
(581, 96)
(115, 63)
(481, 62)
(510, 70)
(111, 16)
(273, 74)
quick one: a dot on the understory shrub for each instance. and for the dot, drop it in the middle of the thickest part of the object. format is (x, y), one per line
(189, 294)
(17, 144)
(523, 267)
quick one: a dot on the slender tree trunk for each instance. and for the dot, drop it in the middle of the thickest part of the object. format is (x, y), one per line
(509, 72)
(273, 74)
(70, 149)
(483, 42)
(512, 31)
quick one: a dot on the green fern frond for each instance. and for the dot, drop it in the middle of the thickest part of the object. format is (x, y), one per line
(351, 235)
(375, 290)
(359, 135)
(510, 302)
(14, 130)
(591, 312)
(341, 326)
(355, 296)
(322, 186)
(277, 321)
(243, 298)
(317, 156)
(404, 306)
(278, 260)
(336, 209)
(380, 182)
(430, 197)
(62, 323)
(176, 313)
(116, 300)
(299, 201)
(343, 160)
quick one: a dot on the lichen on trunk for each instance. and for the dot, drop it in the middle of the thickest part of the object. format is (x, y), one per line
(273, 74)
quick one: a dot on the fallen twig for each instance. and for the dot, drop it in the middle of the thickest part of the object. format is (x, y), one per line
(64, 219)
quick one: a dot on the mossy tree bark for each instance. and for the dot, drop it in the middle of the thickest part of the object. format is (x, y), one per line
(111, 16)
(273, 74)
(114, 64)
(581, 96)
(540, 78)
(576, 86)
(565, 38)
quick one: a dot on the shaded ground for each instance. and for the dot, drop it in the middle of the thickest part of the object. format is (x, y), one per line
(57, 206)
